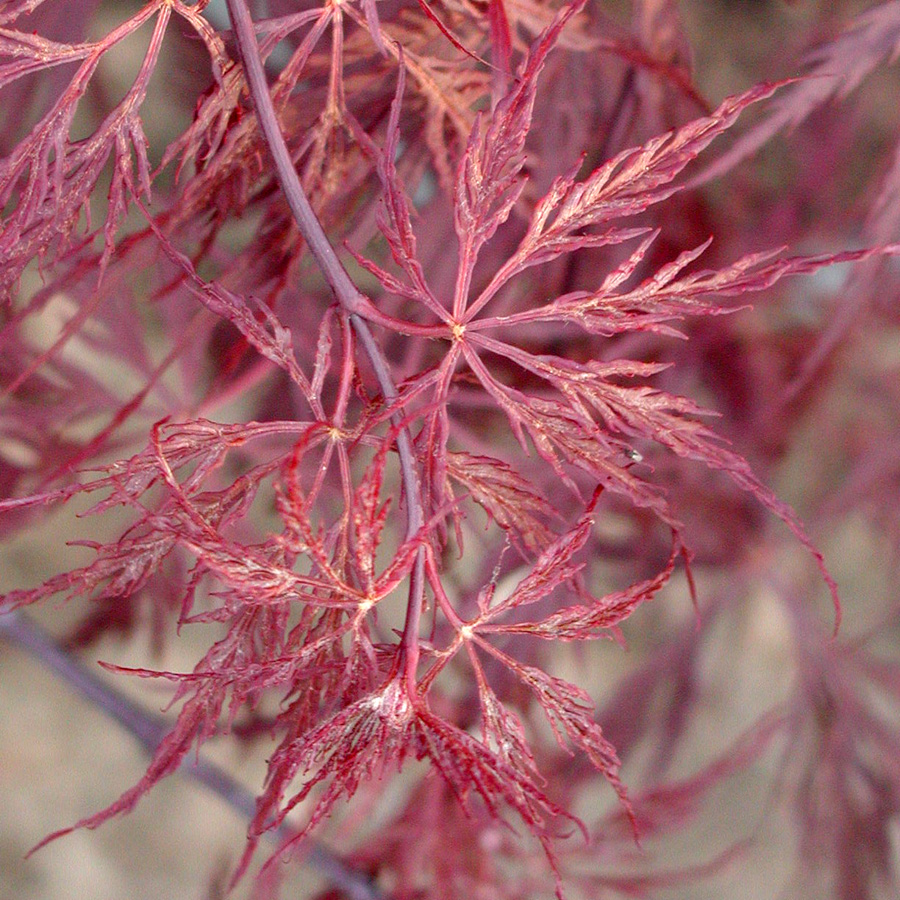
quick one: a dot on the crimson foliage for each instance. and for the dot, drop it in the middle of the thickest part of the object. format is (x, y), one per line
(393, 399)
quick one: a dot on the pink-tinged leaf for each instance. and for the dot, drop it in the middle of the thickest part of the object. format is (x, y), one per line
(260, 326)
(371, 13)
(645, 412)
(364, 739)
(51, 178)
(570, 712)
(561, 435)
(508, 498)
(229, 672)
(500, 727)
(393, 215)
(445, 31)
(664, 298)
(200, 441)
(488, 182)
(369, 514)
(257, 579)
(473, 769)
(553, 567)
(649, 412)
(501, 48)
(214, 114)
(323, 352)
(120, 570)
(626, 185)
(587, 622)
(27, 54)
(130, 138)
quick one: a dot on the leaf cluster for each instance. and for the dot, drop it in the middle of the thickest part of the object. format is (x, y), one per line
(389, 503)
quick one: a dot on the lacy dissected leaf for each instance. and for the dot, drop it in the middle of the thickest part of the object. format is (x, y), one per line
(259, 654)
(587, 621)
(501, 47)
(450, 92)
(51, 177)
(501, 728)
(26, 54)
(368, 516)
(369, 513)
(562, 435)
(628, 184)
(293, 603)
(570, 712)
(191, 515)
(381, 729)
(123, 567)
(201, 442)
(256, 322)
(120, 570)
(556, 567)
(344, 554)
(393, 214)
(591, 390)
(552, 568)
(488, 182)
(256, 575)
(509, 499)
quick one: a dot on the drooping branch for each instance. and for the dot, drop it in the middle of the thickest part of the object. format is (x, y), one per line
(352, 301)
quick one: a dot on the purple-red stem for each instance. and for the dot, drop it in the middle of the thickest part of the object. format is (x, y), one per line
(352, 301)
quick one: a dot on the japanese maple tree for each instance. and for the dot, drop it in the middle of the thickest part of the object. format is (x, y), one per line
(388, 363)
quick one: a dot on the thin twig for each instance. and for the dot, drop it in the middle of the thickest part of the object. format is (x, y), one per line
(352, 301)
